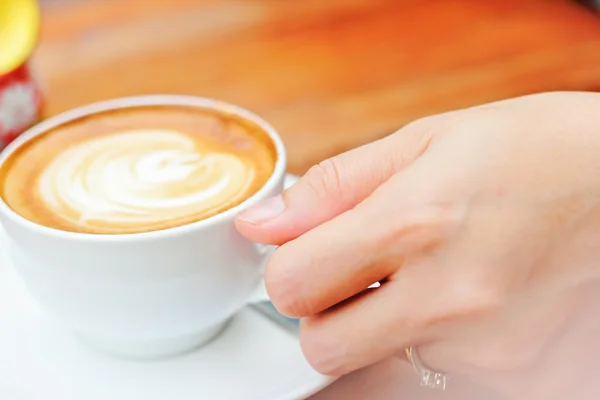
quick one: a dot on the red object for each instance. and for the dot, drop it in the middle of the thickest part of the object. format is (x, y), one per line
(21, 103)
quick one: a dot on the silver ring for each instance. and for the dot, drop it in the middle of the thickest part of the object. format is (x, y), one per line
(431, 379)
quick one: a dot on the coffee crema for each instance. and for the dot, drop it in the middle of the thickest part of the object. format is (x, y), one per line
(137, 169)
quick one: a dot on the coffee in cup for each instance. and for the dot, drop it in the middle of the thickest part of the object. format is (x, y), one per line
(137, 170)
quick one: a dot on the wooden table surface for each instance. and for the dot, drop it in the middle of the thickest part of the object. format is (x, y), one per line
(329, 75)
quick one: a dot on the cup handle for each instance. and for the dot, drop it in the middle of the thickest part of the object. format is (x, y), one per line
(260, 293)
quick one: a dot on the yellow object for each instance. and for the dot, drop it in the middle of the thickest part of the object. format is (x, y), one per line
(19, 30)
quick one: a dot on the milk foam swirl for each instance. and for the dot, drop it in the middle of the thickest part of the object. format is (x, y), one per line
(141, 178)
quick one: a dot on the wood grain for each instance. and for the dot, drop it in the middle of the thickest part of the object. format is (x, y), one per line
(329, 75)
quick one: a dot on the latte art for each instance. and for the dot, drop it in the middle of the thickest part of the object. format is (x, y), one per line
(141, 177)
(137, 169)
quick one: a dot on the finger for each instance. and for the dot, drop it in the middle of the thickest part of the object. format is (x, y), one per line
(356, 249)
(366, 329)
(413, 308)
(338, 356)
(331, 188)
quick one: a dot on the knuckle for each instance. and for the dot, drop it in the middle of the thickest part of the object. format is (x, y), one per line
(422, 228)
(413, 140)
(293, 306)
(323, 352)
(428, 128)
(284, 286)
(463, 297)
(423, 130)
(279, 282)
(422, 125)
(325, 178)
(475, 295)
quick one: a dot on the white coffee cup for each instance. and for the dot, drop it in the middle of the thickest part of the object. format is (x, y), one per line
(149, 294)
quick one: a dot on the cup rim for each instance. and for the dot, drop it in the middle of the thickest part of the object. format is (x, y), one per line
(142, 101)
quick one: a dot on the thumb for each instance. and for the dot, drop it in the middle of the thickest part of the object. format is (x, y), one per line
(331, 188)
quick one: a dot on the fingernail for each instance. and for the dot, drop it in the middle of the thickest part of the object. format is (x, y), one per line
(264, 211)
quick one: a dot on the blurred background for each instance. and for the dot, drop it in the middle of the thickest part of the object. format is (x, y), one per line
(328, 74)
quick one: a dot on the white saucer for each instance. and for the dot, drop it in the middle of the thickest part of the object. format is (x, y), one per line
(253, 359)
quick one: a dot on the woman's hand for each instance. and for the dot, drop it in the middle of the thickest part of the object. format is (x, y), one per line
(483, 226)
